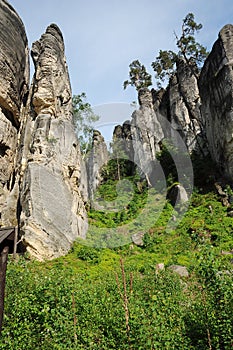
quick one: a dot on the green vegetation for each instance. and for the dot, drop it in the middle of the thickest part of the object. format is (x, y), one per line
(138, 76)
(106, 299)
(117, 298)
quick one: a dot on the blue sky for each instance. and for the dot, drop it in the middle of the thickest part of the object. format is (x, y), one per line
(102, 37)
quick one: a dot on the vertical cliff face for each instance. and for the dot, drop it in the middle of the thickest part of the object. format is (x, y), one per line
(14, 67)
(14, 76)
(180, 105)
(52, 208)
(216, 89)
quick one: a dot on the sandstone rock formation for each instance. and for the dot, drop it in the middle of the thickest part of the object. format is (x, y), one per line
(147, 133)
(180, 105)
(216, 89)
(14, 63)
(122, 137)
(97, 158)
(52, 209)
(14, 79)
(140, 137)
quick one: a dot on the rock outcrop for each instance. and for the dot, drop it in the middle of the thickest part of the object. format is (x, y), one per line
(97, 158)
(139, 138)
(52, 209)
(180, 105)
(14, 80)
(216, 89)
(147, 133)
(14, 63)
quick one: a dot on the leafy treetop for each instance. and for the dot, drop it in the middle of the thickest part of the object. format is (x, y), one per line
(192, 52)
(138, 76)
(189, 48)
(164, 66)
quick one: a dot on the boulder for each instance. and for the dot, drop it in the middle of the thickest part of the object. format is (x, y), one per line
(137, 238)
(180, 270)
(177, 195)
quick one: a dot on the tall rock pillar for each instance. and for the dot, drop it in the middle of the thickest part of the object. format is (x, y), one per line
(53, 214)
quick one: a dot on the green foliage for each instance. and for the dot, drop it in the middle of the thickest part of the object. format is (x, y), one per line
(88, 254)
(117, 168)
(138, 76)
(83, 118)
(127, 307)
(164, 65)
(129, 201)
(189, 48)
(52, 140)
(213, 283)
(166, 161)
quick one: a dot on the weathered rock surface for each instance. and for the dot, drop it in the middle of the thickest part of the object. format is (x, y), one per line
(216, 89)
(147, 133)
(180, 105)
(97, 158)
(180, 270)
(122, 139)
(14, 67)
(137, 238)
(53, 213)
(14, 75)
(141, 136)
(177, 195)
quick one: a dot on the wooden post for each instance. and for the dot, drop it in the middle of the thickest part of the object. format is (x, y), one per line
(3, 266)
(15, 242)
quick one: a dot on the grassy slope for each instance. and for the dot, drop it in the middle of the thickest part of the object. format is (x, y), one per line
(75, 302)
